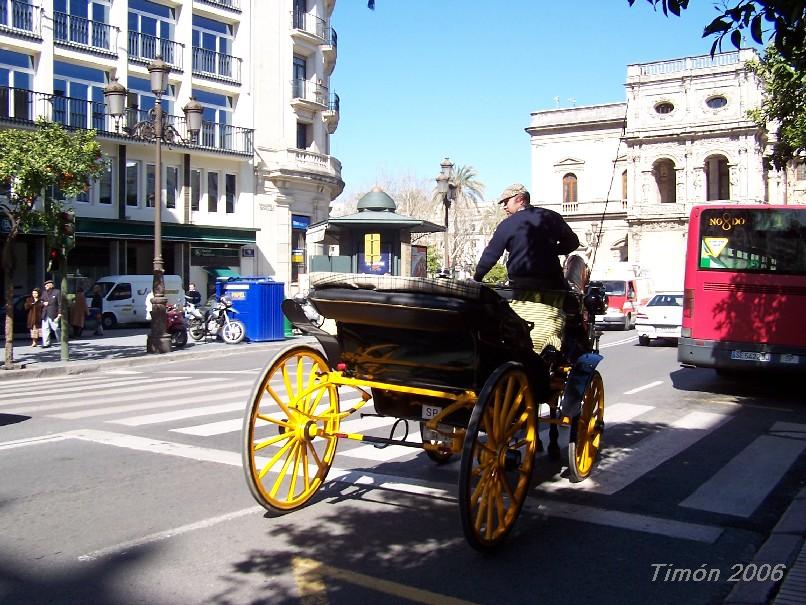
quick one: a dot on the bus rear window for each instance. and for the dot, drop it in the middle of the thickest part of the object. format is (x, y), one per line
(746, 240)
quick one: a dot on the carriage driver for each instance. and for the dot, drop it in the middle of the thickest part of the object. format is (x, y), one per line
(534, 238)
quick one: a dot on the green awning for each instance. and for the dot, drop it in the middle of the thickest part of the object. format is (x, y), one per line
(177, 232)
(217, 272)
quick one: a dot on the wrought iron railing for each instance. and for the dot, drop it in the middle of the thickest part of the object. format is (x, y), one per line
(309, 23)
(313, 92)
(216, 65)
(333, 103)
(332, 38)
(95, 35)
(20, 17)
(20, 105)
(231, 4)
(144, 48)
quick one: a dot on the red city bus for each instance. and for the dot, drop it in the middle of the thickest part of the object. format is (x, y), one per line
(744, 301)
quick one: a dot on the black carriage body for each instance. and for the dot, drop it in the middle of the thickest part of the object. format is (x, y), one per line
(441, 336)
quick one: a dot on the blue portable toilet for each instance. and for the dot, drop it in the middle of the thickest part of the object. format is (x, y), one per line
(257, 301)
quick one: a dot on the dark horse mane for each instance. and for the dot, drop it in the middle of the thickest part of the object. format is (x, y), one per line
(577, 272)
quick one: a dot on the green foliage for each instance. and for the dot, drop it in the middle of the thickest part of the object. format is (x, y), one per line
(784, 104)
(787, 18)
(433, 261)
(496, 275)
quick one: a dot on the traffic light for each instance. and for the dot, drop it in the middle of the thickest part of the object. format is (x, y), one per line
(67, 230)
(54, 260)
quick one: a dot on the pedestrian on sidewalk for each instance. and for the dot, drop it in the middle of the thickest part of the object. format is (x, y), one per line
(51, 313)
(33, 305)
(79, 312)
(96, 305)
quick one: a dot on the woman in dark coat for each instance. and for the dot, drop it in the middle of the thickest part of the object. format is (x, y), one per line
(33, 305)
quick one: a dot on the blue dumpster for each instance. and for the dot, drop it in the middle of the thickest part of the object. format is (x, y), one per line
(257, 301)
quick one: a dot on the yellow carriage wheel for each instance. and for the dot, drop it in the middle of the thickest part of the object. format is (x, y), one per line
(498, 457)
(289, 439)
(585, 439)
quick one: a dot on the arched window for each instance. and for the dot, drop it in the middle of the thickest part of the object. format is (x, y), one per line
(717, 178)
(666, 181)
(570, 189)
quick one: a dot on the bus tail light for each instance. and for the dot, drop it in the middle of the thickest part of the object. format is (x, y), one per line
(688, 303)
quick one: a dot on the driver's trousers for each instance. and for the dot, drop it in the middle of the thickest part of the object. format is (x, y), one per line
(545, 311)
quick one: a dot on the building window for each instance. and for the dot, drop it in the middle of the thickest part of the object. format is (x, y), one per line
(299, 226)
(16, 72)
(195, 189)
(104, 185)
(300, 75)
(151, 29)
(664, 107)
(717, 178)
(800, 171)
(171, 186)
(150, 188)
(212, 191)
(666, 181)
(569, 189)
(140, 100)
(74, 21)
(212, 44)
(716, 102)
(216, 119)
(303, 135)
(624, 186)
(78, 96)
(132, 181)
(230, 193)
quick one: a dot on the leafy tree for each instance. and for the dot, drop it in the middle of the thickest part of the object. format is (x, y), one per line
(32, 164)
(465, 211)
(788, 19)
(784, 106)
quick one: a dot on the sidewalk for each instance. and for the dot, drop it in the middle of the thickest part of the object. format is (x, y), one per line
(117, 348)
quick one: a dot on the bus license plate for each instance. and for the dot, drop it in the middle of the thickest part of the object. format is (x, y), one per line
(431, 411)
(750, 356)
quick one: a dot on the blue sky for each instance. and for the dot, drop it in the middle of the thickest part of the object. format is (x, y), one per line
(421, 80)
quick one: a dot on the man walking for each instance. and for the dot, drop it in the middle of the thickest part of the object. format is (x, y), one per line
(51, 313)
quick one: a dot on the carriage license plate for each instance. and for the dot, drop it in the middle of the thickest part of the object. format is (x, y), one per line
(750, 355)
(431, 411)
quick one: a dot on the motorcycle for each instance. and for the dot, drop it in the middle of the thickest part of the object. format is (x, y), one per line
(310, 312)
(176, 326)
(215, 322)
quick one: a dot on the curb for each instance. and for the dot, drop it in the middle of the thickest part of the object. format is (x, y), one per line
(783, 546)
(83, 367)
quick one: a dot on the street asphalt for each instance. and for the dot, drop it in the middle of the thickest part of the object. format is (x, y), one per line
(120, 348)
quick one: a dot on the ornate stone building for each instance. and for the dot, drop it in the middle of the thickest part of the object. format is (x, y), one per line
(626, 175)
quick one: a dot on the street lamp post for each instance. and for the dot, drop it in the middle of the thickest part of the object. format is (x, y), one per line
(155, 129)
(447, 189)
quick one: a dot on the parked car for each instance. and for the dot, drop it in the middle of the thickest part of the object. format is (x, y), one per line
(660, 318)
(20, 316)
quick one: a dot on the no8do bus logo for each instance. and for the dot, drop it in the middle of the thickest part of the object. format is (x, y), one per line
(726, 222)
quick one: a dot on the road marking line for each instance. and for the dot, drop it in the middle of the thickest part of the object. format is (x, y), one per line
(740, 486)
(309, 574)
(232, 406)
(77, 390)
(644, 388)
(170, 533)
(644, 523)
(618, 342)
(208, 372)
(9, 445)
(617, 472)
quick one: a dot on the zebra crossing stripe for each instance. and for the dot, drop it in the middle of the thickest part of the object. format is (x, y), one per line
(617, 413)
(616, 472)
(232, 406)
(739, 487)
(61, 392)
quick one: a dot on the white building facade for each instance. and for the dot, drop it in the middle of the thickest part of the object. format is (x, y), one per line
(625, 175)
(235, 198)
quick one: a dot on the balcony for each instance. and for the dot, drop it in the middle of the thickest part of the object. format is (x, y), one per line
(233, 5)
(283, 161)
(69, 30)
(215, 65)
(330, 49)
(21, 106)
(331, 114)
(144, 48)
(307, 95)
(308, 27)
(610, 208)
(20, 18)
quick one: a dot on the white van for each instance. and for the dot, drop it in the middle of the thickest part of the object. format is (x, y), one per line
(124, 297)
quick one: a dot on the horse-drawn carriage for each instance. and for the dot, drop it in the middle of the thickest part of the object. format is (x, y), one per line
(451, 356)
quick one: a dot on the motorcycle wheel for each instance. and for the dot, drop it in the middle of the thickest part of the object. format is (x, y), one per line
(196, 329)
(233, 332)
(179, 338)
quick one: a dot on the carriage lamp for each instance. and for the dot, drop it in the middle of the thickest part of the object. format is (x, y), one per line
(446, 188)
(156, 129)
